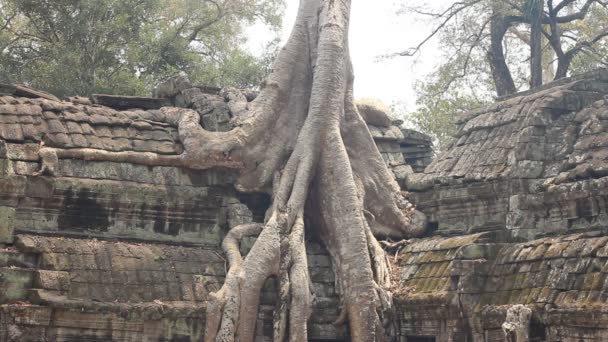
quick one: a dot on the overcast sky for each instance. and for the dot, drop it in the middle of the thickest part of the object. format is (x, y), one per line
(375, 30)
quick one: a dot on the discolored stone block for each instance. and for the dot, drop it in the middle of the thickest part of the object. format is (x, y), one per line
(15, 284)
(7, 221)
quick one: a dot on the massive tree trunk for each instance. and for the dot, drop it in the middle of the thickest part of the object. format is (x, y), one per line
(303, 141)
(503, 81)
(536, 44)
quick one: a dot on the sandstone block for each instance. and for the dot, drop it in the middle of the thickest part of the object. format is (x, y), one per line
(7, 221)
(52, 280)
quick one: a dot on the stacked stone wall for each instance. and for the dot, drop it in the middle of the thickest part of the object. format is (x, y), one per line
(107, 251)
(534, 164)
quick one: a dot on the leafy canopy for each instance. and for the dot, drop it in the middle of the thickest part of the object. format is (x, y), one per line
(575, 34)
(73, 47)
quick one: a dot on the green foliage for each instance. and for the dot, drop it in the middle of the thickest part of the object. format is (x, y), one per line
(73, 47)
(596, 55)
(440, 101)
(462, 80)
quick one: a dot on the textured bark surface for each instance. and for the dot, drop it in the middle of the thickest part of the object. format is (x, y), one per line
(536, 44)
(503, 81)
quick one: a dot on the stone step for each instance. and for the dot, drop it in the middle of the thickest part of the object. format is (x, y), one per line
(15, 283)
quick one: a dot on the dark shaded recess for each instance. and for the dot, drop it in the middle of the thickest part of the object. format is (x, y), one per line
(420, 339)
(431, 228)
(81, 211)
(463, 336)
(215, 177)
(258, 204)
(88, 338)
(178, 338)
(584, 209)
(173, 219)
(538, 331)
(160, 218)
(129, 102)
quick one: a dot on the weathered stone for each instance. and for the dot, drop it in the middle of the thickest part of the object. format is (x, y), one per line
(172, 86)
(14, 284)
(22, 90)
(374, 112)
(127, 237)
(7, 221)
(129, 102)
(52, 280)
(513, 149)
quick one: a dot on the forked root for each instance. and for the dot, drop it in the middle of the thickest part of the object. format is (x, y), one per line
(233, 309)
(227, 298)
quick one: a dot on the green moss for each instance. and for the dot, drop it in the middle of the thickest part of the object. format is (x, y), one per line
(538, 252)
(458, 241)
(593, 281)
(14, 284)
(556, 250)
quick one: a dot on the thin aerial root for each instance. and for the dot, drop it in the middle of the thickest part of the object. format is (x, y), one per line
(283, 186)
(299, 193)
(231, 243)
(386, 311)
(380, 263)
(224, 304)
(215, 303)
(261, 263)
(230, 313)
(282, 306)
(301, 299)
(342, 317)
(227, 298)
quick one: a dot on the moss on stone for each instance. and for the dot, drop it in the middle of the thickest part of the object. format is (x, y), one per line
(14, 284)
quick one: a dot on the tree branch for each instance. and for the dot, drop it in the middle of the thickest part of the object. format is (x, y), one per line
(575, 16)
(197, 29)
(560, 6)
(448, 15)
(587, 44)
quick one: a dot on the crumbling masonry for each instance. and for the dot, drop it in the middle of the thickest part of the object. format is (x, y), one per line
(109, 251)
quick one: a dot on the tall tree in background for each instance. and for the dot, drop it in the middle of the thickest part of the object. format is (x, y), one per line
(491, 50)
(533, 13)
(499, 25)
(125, 46)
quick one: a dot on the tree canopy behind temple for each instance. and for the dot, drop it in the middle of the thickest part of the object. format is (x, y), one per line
(486, 48)
(73, 47)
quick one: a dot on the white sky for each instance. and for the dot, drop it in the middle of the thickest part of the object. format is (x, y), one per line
(375, 30)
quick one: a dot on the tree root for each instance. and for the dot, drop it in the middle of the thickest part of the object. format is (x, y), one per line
(235, 305)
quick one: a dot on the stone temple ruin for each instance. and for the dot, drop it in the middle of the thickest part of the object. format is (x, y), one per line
(105, 251)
